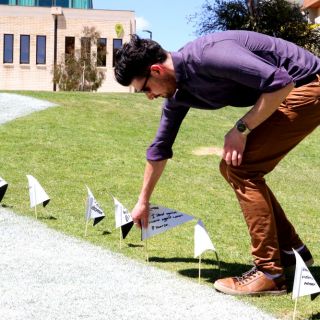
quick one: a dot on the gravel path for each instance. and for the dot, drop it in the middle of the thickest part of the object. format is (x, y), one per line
(14, 106)
(46, 275)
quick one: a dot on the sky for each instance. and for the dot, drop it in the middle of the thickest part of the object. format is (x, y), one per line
(166, 19)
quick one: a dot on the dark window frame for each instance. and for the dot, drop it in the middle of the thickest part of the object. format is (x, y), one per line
(63, 5)
(66, 48)
(39, 4)
(28, 60)
(44, 61)
(4, 47)
(102, 53)
(114, 50)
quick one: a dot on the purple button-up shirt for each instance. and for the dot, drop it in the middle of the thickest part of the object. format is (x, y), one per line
(228, 68)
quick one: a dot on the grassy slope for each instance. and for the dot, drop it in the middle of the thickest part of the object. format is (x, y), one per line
(100, 140)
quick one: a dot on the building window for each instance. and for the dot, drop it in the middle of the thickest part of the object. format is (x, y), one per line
(102, 52)
(117, 44)
(41, 50)
(62, 3)
(8, 48)
(69, 46)
(24, 49)
(52, 3)
(45, 3)
(85, 47)
(4, 1)
(22, 2)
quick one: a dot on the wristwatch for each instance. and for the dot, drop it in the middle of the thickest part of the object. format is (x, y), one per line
(242, 127)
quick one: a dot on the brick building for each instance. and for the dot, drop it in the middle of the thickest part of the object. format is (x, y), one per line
(313, 7)
(35, 35)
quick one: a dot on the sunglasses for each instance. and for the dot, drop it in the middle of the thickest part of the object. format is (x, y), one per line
(144, 88)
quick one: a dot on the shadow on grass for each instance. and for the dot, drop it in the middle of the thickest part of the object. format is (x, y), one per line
(207, 275)
(315, 316)
(227, 270)
(3, 205)
(47, 218)
(133, 245)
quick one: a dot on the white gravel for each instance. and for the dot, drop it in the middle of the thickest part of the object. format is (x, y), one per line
(14, 106)
(46, 275)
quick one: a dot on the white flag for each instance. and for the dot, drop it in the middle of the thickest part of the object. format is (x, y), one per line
(37, 193)
(304, 283)
(162, 219)
(123, 218)
(3, 188)
(93, 210)
(202, 240)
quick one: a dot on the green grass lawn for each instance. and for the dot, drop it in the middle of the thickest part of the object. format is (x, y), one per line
(100, 140)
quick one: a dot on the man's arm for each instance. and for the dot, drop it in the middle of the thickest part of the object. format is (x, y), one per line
(152, 174)
(157, 155)
(267, 104)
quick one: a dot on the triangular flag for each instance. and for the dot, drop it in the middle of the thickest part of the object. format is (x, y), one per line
(36, 192)
(93, 210)
(162, 219)
(304, 283)
(202, 240)
(125, 229)
(3, 188)
(123, 218)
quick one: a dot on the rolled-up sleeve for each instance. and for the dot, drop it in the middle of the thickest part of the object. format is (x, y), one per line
(171, 119)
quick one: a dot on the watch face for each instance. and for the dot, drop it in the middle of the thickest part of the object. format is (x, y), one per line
(241, 126)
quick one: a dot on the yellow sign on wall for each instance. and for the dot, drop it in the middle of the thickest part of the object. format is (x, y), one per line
(119, 30)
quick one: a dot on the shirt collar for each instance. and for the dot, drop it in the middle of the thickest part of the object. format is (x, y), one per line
(179, 67)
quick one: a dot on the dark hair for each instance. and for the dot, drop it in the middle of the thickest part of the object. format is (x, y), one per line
(135, 57)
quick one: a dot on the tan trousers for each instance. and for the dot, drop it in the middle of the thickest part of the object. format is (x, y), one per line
(266, 145)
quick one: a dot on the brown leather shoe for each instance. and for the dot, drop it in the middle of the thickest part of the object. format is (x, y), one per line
(251, 283)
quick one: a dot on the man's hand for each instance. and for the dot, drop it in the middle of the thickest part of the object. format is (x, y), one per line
(140, 214)
(267, 104)
(234, 145)
(152, 173)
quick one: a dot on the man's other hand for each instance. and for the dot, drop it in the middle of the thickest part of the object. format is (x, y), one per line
(234, 145)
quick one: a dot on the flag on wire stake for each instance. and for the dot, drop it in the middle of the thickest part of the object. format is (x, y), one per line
(161, 219)
(202, 243)
(93, 211)
(146, 252)
(37, 194)
(123, 220)
(304, 283)
(3, 188)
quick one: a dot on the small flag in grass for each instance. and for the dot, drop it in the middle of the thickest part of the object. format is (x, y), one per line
(3, 188)
(36, 193)
(93, 209)
(162, 219)
(304, 283)
(202, 241)
(123, 218)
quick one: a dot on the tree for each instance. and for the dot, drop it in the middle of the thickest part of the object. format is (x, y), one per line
(77, 69)
(278, 18)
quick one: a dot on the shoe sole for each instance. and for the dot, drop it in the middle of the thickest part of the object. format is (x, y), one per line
(308, 263)
(232, 292)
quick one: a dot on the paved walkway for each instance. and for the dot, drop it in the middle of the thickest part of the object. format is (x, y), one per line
(47, 275)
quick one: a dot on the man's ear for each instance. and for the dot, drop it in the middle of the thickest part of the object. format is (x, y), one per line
(157, 69)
